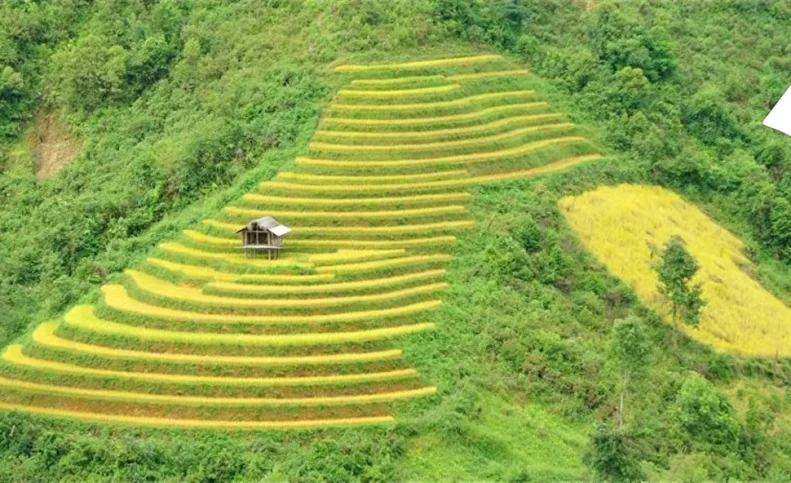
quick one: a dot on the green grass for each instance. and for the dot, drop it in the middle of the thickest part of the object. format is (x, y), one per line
(202, 291)
(203, 335)
(507, 440)
(175, 101)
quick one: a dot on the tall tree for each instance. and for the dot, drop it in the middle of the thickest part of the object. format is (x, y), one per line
(675, 270)
(630, 348)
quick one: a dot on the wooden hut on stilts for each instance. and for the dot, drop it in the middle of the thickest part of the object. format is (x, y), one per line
(263, 234)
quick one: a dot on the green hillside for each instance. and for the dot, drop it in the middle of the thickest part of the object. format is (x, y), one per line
(204, 336)
(437, 313)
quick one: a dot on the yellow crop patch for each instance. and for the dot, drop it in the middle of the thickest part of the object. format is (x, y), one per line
(397, 93)
(496, 138)
(389, 200)
(427, 121)
(361, 230)
(354, 255)
(457, 131)
(167, 290)
(179, 249)
(394, 178)
(200, 273)
(385, 230)
(204, 273)
(327, 287)
(342, 215)
(191, 271)
(422, 106)
(115, 296)
(484, 75)
(407, 243)
(365, 188)
(460, 182)
(620, 225)
(77, 318)
(196, 423)
(398, 80)
(423, 64)
(14, 355)
(205, 239)
(45, 335)
(391, 263)
(460, 158)
(555, 167)
(145, 398)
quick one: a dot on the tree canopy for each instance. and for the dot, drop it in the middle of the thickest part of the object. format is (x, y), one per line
(675, 270)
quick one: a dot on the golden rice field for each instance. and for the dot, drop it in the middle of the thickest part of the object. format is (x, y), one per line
(201, 336)
(624, 226)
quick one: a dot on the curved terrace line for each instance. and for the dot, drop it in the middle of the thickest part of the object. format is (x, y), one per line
(306, 339)
(45, 335)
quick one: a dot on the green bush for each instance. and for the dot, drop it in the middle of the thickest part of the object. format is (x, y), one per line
(706, 416)
(612, 456)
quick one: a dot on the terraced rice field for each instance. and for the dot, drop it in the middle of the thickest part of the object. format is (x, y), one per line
(199, 336)
(625, 226)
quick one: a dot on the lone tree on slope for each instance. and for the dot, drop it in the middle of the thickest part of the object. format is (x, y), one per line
(675, 270)
(630, 349)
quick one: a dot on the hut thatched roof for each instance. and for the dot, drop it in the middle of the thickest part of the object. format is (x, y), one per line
(266, 223)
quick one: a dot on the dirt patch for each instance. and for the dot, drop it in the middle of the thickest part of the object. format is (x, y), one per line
(51, 146)
(590, 4)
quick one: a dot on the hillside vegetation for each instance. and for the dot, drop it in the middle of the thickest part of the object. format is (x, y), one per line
(626, 226)
(437, 290)
(205, 336)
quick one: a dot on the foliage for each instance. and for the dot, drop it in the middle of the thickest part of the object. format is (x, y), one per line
(619, 41)
(612, 455)
(31, 451)
(675, 271)
(679, 111)
(239, 85)
(629, 349)
(629, 344)
(706, 415)
(27, 34)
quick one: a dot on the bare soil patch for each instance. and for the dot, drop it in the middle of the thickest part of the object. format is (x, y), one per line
(51, 146)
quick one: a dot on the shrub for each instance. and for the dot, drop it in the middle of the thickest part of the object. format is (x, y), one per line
(612, 456)
(706, 416)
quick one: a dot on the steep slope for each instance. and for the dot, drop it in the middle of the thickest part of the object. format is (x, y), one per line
(202, 336)
(625, 226)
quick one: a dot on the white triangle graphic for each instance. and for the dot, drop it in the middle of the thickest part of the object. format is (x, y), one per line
(780, 117)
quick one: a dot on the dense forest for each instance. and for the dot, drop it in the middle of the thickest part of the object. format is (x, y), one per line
(178, 107)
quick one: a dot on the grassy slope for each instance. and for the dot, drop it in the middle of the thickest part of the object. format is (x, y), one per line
(522, 458)
(472, 359)
(515, 328)
(505, 441)
(537, 323)
(496, 442)
(487, 422)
